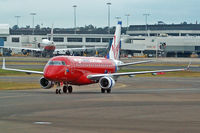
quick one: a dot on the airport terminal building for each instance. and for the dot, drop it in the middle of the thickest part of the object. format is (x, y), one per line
(175, 40)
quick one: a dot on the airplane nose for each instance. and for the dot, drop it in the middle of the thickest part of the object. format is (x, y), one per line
(50, 73)
(53, 73)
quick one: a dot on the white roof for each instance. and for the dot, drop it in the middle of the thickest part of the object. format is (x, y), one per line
(4, 29)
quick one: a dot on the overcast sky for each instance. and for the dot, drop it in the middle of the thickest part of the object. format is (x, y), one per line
(60, 12)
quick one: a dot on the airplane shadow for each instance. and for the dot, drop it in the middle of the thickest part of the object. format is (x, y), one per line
(79, 92)
(114, 92)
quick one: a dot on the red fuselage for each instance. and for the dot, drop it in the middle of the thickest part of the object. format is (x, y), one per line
(50, 48)
(74, 70)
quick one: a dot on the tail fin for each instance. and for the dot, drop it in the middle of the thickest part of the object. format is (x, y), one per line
(114, 52)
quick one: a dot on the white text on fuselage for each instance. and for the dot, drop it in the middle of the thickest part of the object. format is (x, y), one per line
(88, 60)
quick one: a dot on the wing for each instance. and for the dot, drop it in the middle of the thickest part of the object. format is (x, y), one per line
(86, 48)
(20, 48)
(19, 70)
(56, 50)
(135, 63)
(98, 76)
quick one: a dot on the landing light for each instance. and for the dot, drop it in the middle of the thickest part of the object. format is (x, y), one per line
(159, 73)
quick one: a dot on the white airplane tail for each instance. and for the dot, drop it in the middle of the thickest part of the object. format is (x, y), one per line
(114, 52)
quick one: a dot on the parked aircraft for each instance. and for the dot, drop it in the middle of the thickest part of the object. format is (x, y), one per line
(47, 47)
(74, 70)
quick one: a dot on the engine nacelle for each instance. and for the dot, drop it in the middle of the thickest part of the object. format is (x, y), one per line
(39, 45)
(46, 84)
(24, 52)
(106, 82)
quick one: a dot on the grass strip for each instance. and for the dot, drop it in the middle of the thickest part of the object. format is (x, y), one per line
(18, 85)
(14, 73)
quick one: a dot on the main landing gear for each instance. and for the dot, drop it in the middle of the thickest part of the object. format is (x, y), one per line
(68, 89)
(105, 90)
(65, 89)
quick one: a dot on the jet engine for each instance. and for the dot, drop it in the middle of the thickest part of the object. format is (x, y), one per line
(106, 82)
(24, 52)
(39, 45)
(46, 84)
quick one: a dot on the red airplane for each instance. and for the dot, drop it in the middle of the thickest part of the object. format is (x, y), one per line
(71, 70)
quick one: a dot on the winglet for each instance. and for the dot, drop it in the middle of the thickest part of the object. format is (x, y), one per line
(3, 66)
(188, 67)
(120, 22)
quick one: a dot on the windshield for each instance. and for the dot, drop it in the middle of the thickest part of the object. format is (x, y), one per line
(56, 63)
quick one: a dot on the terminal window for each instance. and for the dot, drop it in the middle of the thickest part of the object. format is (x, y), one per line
(93, 40)
(4, 38)
(58, 39)
(74, 39)
(106, 39)
(15, 39)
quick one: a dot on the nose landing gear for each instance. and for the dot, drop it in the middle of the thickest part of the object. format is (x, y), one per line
(65, 89)
(58, 91)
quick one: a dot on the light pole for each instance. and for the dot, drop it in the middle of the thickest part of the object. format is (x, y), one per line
(74, 6)
(156, 48)
(109, 4)
(146, 16)
(17, 20)
(127, 17)
(33, 14)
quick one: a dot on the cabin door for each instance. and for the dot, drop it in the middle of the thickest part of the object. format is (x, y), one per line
(72, 68)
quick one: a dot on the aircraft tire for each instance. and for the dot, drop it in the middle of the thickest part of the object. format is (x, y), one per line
(70, 89)
(108, 90)
(57, 91)
(44, 54)
(103, 90)
(65, 89)
(51, 54)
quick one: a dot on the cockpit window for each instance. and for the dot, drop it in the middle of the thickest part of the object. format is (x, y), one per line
(56, 63)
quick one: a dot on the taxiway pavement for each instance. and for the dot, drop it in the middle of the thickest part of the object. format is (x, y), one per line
(136, 105)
